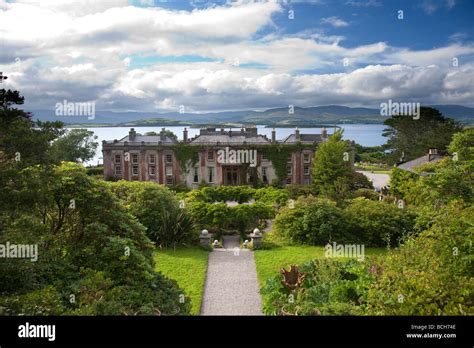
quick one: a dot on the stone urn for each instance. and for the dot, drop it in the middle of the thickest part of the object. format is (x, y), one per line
(205, 238)
(256, 237)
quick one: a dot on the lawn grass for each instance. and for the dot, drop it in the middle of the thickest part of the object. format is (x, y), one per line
(269, 262)
(374, 169)
(188, 267)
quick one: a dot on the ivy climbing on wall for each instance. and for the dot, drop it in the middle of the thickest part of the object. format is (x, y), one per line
(187, 155)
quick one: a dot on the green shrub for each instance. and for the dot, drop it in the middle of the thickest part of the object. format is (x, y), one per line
(316, 221)
(46, 301)
(367, 193)
(156, 207)
(245, 217)
(296, 190)
(98, 295)
(312, 221)
(272, 195)
(402, 182)
(178, 228)
(95, 171)
(213, 194)
(431, 274)
(217, 217)
(211, 216)
(94, 232)
(329, 287)
(360, 181)
(376, 223)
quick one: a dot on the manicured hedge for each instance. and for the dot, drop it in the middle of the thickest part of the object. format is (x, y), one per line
(316, 221)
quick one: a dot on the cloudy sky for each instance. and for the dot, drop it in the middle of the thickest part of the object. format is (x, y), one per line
(155, 55)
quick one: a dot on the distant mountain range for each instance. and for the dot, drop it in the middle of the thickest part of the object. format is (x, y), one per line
(310, 116)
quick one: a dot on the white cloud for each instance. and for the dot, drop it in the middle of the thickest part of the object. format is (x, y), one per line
(362, 3)
(431, 6)
(89, 51)
(335, 22)
(458, 37)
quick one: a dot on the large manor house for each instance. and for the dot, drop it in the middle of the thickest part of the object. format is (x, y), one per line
(222, 157)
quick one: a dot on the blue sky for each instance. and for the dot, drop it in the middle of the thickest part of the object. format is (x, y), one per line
(427, 24)
(157, 55)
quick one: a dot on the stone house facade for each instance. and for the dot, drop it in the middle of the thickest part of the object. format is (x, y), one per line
(223, 157)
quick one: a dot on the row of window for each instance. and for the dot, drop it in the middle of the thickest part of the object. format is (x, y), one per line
(289, 170)
(306, 157)
(210, 172)
(151, 158)
(151, 170)
(210, 158)
(210, 175)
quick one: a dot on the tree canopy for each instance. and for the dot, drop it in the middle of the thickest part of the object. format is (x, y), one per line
(412, 138)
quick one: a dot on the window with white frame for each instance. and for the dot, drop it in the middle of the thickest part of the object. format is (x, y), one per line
(152, 159)
(306, 170)
(135, 170)
(210, 156)
(306, 158)
(169, 158)
(290, 159)
(152, 170)
(169, 171)
(118, 170)
(135, 158)
(210, 174)
(289, 170)
(169, 181)
(118, 159)
(196, 174)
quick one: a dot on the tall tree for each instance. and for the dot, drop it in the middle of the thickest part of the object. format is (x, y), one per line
(75, 145)
(331, 167)
(22, 140)
(411, 138)
(462, 145)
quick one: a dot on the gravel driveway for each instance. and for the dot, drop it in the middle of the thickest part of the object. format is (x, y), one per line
(231, 286)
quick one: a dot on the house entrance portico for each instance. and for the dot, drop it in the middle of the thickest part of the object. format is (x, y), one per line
(232, 175)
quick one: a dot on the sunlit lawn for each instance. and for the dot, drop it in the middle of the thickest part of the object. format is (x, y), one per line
(269, 262)
(188, 267)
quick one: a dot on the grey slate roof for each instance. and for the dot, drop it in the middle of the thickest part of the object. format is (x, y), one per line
(419, 161)
(147, 139)
(229, 139)
(211, 136)
(304, 138)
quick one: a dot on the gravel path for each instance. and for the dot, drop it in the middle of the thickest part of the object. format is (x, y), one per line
(231, 283)
(378, 180)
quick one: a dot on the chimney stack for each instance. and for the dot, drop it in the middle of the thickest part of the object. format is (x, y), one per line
(162, 134)
(185, 135)
(324, 132)
(132, 134)
(297, 134)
